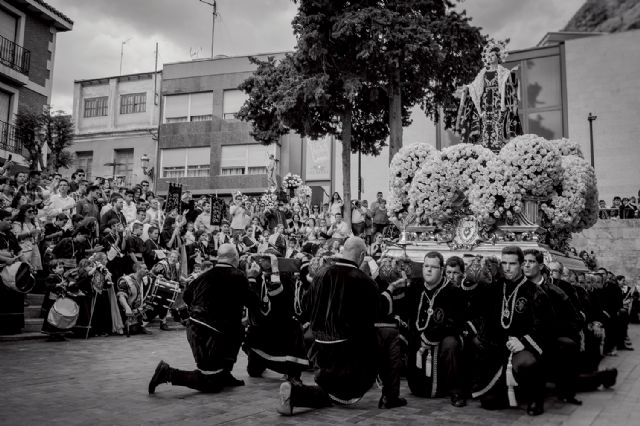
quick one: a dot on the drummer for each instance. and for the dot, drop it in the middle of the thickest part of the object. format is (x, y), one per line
(169, 270)
(11, 301)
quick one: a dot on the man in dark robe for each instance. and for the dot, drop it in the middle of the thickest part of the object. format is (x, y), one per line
(11, 301)
(343, 303)
(274, 336)
(517, 317)
(216, 301)
(564, 343)
(436, 319)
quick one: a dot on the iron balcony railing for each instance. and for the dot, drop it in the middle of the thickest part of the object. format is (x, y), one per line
(14, 56)
(9, 138)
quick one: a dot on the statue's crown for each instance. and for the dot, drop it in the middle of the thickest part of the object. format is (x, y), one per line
(494, 46)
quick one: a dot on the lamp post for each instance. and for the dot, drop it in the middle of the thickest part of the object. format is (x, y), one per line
(591, 119)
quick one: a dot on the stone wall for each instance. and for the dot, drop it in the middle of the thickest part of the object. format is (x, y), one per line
(616, 244)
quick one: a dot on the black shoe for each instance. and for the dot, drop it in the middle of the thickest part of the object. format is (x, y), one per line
(458, 400)
(571, 400)
(285, 407)
(608, 377)
(231, 381)
(535, 408)
(389, 402)
(164, 326)
(625, 347)
(161, 375)
(144, 330)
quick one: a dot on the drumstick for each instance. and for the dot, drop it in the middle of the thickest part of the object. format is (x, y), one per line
(93, 305)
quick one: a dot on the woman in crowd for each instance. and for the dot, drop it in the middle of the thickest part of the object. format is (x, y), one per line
(335, 207)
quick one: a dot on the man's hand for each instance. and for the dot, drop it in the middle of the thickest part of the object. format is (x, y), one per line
(514, 345)
(253, 270)
(274, 264)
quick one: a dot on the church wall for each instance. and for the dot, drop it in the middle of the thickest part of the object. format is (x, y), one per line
(616, 244)
(603, 77)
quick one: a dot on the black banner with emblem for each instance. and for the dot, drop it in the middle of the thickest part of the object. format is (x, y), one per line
(174, 198)
(218, 211)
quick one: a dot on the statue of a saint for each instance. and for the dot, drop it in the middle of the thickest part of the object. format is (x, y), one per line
(271, 172)
(488, 113)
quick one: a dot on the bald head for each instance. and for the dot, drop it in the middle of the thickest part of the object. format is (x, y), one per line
(227, 253)
(354, 249)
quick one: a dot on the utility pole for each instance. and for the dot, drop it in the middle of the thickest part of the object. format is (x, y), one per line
(591, 119)
(214, 6)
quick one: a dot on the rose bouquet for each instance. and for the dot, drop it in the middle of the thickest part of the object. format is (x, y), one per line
(494, 194)
(465, 163)
(566, 147)
(533, 164)
(432, 195)
(404, 166)
(292, 181)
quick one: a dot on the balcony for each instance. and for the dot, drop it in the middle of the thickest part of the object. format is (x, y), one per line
(14, 56)
(9, 139)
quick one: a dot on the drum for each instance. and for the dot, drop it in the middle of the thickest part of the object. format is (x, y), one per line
(17, 277)
(63, 314)
(163, 294)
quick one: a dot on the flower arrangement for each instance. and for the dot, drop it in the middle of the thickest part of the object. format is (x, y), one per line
(494, 195)
(404, 166)
(566, 147)
(465, 163)
(292, 181)
(269, 198)
(303, 191)
(431, 194)
(575, 206)
(533, 164)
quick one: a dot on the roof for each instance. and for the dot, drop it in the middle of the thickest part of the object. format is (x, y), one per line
(54, 10)
(123, 77)
(227, 57)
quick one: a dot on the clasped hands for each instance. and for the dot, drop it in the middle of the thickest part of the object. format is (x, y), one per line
(514, 345)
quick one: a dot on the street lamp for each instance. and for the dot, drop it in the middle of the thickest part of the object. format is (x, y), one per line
(591, 119)
(146, 170)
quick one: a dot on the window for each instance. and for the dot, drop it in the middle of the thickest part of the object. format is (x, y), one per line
(83, 160)
(185, 162)
(250, 159)
(541, 97)
(132, 103)
(232, 102)
(188, 107)
(5, 106)
(96, 107)
(124, 163)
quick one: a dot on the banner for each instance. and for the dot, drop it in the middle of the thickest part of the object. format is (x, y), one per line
(218, 211)
(174, 198)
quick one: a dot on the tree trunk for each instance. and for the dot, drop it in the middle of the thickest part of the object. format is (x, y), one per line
(346, 165)
(395, 114)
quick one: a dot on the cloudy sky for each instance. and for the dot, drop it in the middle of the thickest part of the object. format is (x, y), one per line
(183, 30)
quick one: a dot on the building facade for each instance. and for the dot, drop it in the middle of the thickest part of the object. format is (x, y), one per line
(28, 30)
(202, 145)
(116, 124)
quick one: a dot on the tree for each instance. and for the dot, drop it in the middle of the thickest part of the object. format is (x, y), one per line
(419, 51)
(53, 129)
(320, 89)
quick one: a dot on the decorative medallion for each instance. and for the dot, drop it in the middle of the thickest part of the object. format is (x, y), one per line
(467, 233)
(521, 305)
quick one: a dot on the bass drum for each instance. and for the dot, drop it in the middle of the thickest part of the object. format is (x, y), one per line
(63, 314)
(18, 277)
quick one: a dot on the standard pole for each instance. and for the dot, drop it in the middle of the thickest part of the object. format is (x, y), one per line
(359, 171)
(591, 119)
(213, 25)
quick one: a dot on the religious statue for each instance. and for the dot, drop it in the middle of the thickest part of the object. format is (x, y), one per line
(271, 172)
(488, 113)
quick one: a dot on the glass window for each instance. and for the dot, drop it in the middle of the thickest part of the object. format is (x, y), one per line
(233, 156)
(132, 103)
(543, 82)
(181, 162)
(5, 106)
(232, 101)
(201, 105)
(124, 163)
(227, 171)
(547, 124)
(96, 107)
(257, 170)
(176, 106)
(258, 155)
(83, 160)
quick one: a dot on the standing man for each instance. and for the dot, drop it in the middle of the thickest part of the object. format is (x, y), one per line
(343, 308)
(216, 301)
(75, 180)
(517, 319)
(436, 318)
(115, 213)
(339, 231)
(88, 206)
(61, 202)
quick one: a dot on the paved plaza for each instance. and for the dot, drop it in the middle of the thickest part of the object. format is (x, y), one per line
(104, 381)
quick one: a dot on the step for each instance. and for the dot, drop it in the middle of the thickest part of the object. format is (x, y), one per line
(32, 324)
(32, 311)
(31, 335)
(35, 299)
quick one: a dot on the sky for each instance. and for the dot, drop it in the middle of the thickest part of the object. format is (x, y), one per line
(182, 29)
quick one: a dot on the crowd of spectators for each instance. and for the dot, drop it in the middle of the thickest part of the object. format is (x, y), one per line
(620, 208)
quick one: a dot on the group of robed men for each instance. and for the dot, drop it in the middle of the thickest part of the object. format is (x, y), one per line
(498, 331)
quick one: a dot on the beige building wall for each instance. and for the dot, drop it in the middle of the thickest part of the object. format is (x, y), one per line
(603, 77)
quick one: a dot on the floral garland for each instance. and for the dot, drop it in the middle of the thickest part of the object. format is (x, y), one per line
(533, 164)
(575, 207)
(432, 195)
(292, 181)
(404, 166)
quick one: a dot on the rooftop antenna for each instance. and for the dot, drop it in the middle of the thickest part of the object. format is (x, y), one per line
(122, 53)
(214, 6)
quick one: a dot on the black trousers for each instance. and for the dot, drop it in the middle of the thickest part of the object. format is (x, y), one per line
(450, 371)
(208, 383)
(528, 373)
(389, 360)
(562, 362)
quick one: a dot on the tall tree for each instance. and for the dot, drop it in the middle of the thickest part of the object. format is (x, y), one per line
(419, 51)
(320, 89)
(51, 129)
